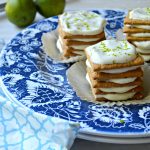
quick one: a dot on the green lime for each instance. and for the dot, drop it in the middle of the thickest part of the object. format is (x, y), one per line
(48, 8)
(20, 12)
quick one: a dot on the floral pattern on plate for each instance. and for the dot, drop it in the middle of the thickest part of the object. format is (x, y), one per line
(40, 83)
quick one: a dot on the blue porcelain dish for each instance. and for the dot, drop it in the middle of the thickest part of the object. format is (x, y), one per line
(40, 83)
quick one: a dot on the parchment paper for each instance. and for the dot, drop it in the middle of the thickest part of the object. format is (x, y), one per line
(76, 77)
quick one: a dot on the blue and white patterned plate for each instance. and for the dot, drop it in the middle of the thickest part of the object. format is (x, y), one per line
(40, 83)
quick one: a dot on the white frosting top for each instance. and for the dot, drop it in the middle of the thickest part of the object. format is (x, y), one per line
(82, 22)
(111, 52)
(142, 44)
(140, 14)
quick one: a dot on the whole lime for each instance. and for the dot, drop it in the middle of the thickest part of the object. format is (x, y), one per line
(20, 12)
(48, 8)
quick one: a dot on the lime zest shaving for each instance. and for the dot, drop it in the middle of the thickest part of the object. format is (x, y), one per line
(148, 11)
(120, 48)
(122, 121)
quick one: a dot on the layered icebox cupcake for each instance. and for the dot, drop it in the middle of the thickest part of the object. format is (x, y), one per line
(78, 30)
(137, 28)
(114, 71)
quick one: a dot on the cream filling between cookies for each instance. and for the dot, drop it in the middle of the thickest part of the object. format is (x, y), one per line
(113, 89)
(147, 27)
(58, 45)
(82, 22)
(116, 97)
(77, 47)
(141, 34)
(79, 52)
(142, 44)
(145, 57)
(122, 80)
(113, 71)
(118, 89)
(111, 52)
(145, 51)
(140, 14)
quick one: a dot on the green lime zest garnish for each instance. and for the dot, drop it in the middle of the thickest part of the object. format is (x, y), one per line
(147, 10)
(68, 24)
(122, 121)
(120, 48)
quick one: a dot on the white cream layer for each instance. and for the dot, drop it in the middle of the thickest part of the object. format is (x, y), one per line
(77, 47)
(113, 71)
(113, 89)
(144, 51)
(143, 44)
(116, 97)
(82, 22)
(141, 34)
(146, 57)
(118, 89)
(119, 81)
(147, 27)
(140, 14)
(111, 52)
(58, 45)
(79, 52)
(122, 80)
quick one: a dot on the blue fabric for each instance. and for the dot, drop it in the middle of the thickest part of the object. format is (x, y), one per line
(24, 129)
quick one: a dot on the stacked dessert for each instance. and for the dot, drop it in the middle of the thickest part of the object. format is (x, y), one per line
(77, 30)
(114, 71)
(137, 28)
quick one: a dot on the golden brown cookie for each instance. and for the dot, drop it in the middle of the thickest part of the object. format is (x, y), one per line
(66, 35)
(98, 91)
(134, 30)
(104, 84)
(98, 67)
(70, 42)
(127, 20)
(133, 38)
(104, 76)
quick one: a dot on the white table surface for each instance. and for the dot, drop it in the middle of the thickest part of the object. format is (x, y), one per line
(8, 31)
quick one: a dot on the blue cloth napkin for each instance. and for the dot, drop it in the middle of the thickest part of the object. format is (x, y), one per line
(24, 129)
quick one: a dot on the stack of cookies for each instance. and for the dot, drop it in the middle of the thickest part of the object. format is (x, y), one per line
(114, 71)
(137, 28)
(78, 30)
